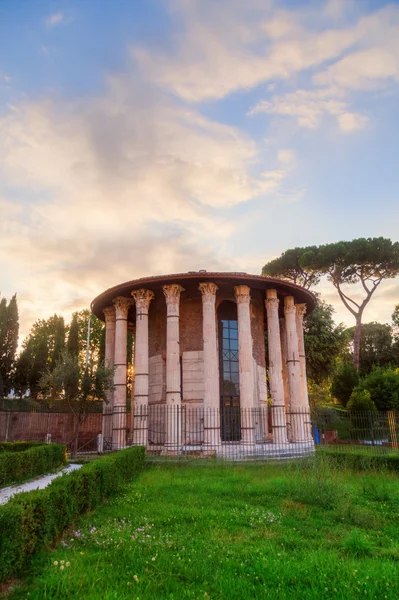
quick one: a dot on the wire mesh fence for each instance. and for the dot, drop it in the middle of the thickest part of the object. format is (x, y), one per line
(226, 432)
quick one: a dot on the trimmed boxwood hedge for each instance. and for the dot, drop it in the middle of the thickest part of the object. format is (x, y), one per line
(17, 466)
(32, 520)
(18, 446)
(360, 461)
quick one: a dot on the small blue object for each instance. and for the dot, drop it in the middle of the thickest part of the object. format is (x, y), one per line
(316, 435)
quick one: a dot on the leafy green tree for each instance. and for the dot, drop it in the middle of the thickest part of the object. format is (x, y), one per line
(366, 262)
(9, 328)
(97, 329)
(383, 386)
(395, 320)
(361, 400)
(78, 384)
(288, 266)
(376, 346)
(41, 350)
(73, 345)
(23, 370)
(362, 261)
(345, 380)
(324, 342)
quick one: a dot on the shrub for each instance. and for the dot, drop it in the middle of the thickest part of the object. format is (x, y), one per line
(383, 386)
(359, 461)
(345, 380)
(16, 466)
(361, 400)
(31, 520)
(18, 446)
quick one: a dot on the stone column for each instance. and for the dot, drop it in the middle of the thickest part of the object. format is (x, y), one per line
(119, 408)
(142, 299)
(293, 372)
(132, 329)
(211, 365)
(246, 364)
(173, 378)
(279, 425)
(283, 340)
(300, 313)
(110, 315)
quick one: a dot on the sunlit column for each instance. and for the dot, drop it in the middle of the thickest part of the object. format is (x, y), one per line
(300, 313)
(119, 407)
(279, 425)
(173, 378)
(246, 363)
(283, 341)
(142, 300)
(293, 372)
(211, 365)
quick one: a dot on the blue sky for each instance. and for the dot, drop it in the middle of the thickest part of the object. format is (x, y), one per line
(143, 137)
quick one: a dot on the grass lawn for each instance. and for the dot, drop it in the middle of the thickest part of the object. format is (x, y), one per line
(231, 531)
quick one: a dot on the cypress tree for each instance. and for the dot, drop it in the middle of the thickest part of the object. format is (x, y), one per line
(9, 327)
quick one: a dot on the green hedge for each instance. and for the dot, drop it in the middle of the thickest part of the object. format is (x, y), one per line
(360, 461)
(18, 446)
(32, 520)
(40, 459)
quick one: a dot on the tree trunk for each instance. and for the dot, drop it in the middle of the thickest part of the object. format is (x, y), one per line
(356, 343)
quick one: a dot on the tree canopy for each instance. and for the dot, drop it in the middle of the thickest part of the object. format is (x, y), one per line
(324, 342)
(288, 266)
(361, 261)
(377, 347)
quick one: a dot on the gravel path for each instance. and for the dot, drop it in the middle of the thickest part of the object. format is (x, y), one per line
(39, 483)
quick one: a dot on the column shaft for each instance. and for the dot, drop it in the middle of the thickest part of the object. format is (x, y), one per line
(293, 372)
(211, 365)
(142, 300)
(279, 425)
(173, 378)
(110, 316)
(300, 313)
(283, 340)
(119, 407)
(246, 364)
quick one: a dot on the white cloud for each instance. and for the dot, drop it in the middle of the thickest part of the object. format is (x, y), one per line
(55, 19)
(309, 107)
(232, 45)
(286, 156)
(129, 184)
(365, 70)
(351, 122)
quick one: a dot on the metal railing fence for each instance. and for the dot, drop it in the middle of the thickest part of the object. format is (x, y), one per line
(229, 432)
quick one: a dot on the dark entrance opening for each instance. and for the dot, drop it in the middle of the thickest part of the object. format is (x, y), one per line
(229, 372)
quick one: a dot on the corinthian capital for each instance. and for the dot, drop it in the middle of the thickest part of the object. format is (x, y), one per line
(172, 293)
(109, 314)
(271, 301)
(300, 311)
(122, 306)
(208, 291)
(142, 299)
(242, 294)
(289, 305)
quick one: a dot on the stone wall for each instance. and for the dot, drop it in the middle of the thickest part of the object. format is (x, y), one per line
(193, 378)
(30, 426)
(157, 380)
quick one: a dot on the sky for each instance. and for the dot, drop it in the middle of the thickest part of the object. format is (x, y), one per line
(145, 137)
